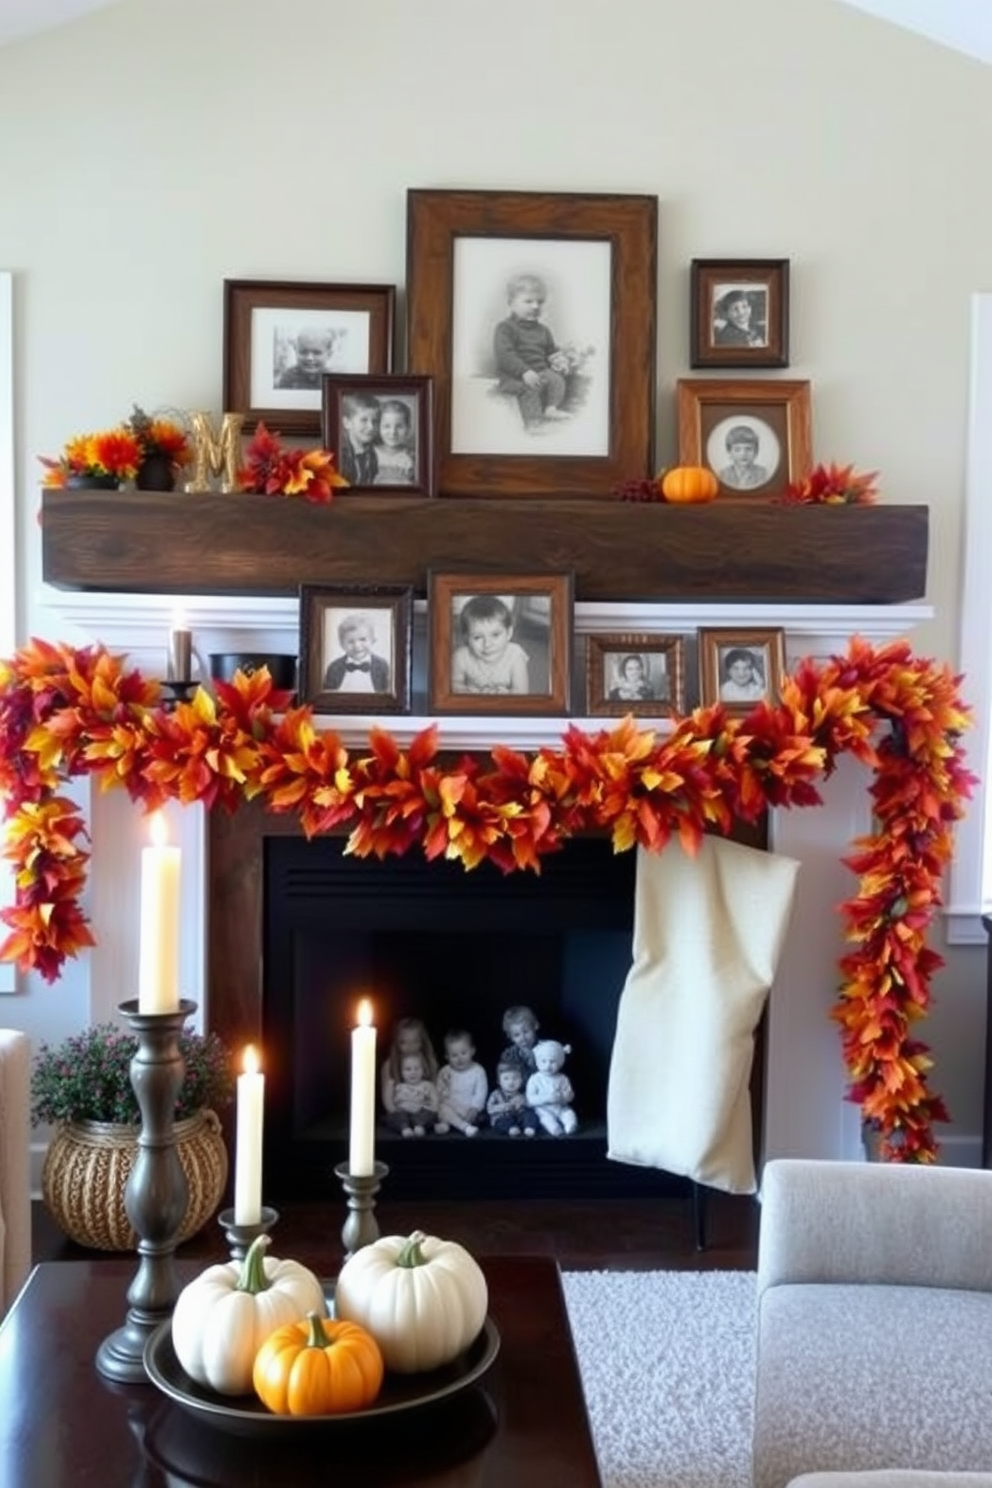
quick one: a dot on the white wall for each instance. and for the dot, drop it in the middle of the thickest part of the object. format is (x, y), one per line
(144, 160)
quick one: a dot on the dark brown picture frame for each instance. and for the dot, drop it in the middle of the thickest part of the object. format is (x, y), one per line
(662, 666)
(777, 413)
(622, 405)
(324, 610)
(541, 607)
(717, 649)
(415, 391)
(739, 312)
(266, 312)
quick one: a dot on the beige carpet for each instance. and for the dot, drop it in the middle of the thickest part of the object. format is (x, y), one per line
(667, 1361)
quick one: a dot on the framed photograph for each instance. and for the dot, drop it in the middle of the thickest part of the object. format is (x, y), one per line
(281, 337)
(635, 673)
(355, 646)
(754, 435)
(739, 312)
(380, 431)
(499, 643)
(535, 315)
(740, 668)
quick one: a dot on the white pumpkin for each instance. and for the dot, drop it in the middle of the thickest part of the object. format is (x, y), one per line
(224, 1315)
(423, 1300)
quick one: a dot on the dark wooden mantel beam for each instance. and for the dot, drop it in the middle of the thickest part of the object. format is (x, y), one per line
(740, 551)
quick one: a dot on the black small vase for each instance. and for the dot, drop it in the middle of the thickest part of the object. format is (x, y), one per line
(92, 482)
(157, 473)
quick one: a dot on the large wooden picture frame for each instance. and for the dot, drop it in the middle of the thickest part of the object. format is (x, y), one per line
(280, 337)
(527, 617)
(756, 436)
(355, 647)
(739, 312)
(475, 259)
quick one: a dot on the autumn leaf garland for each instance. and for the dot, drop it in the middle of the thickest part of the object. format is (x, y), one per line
(67, 713)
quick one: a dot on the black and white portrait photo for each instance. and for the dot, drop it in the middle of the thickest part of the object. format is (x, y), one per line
(358, 650)
(739, 315)
(744, 451)
(292, 349)
(637, 677)
(743, 674)
(530, 346)
(379, 430)
(500, 644)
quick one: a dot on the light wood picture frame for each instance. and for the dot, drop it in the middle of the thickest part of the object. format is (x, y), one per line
(635, 672)
(741, 668)
(500, 643)
(755, 435)
(591, 262)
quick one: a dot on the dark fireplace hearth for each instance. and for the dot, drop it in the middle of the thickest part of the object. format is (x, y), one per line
(426, 940)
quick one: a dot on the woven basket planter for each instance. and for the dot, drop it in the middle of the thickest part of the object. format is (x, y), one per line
(87, 1166)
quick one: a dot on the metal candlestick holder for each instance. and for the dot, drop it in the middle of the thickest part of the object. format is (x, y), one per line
(156, 1194)
(240, 1236)
(360, 1227)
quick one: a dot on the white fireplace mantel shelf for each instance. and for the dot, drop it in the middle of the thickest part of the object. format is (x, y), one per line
(139, 625)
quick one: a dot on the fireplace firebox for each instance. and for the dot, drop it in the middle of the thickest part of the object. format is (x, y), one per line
(430, 940)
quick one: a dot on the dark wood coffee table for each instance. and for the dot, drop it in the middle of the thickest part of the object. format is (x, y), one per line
(62, 1423)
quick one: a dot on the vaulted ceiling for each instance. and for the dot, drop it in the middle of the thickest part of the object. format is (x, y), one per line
(965, 25)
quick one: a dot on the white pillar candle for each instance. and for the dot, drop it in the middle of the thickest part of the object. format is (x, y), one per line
(361, 1150)
(158, 956)
(248, 1142)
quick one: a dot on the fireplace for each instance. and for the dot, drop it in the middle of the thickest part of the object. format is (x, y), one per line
(430, 940)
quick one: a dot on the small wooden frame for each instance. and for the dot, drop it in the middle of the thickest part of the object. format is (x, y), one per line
(739, 312)
(384, 424)
(500, 643)
(741, 668)
(756, 436)
(355, 648)
(635, 672)
(280, 338)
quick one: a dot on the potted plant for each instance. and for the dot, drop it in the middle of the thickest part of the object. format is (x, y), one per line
(83, 1087)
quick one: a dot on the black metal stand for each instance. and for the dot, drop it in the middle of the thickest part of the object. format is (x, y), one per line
(240, 1236)
(157, 1193)
(360, 1228)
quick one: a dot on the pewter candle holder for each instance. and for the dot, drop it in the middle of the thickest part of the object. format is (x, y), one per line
(240, 1236)
(360, 1228)
(156, 1194)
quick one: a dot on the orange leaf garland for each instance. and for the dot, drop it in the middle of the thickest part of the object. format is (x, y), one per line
(66, 712)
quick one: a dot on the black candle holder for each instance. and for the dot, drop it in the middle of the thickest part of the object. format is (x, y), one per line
(156, 1194)
(360, 1228)
(175, 691)
(240, 1236)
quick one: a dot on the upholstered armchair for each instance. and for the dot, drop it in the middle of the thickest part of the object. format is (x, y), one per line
(15, 1180)
(874, 1320)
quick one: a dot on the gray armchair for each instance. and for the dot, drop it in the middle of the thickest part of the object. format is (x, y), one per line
(15, 1163)
(874, 1345)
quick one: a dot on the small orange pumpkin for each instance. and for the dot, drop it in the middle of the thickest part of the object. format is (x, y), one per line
(317, 1367)
(689, 484)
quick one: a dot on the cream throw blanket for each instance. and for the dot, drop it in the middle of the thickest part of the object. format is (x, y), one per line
(708, 932)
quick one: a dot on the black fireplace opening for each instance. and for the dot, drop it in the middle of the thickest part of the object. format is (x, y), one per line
(456, 949)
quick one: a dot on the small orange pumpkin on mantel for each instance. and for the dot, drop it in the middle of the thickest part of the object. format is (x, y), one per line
(687, 485)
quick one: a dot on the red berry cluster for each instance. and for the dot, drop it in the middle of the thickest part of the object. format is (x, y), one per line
(637, 490)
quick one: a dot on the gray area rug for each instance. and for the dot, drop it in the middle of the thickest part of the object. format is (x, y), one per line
(667, 1362)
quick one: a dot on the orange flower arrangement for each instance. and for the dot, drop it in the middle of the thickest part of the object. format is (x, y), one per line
(66, 713)
(160, 436)
(273, 470)
(832, 485)
(114, 454)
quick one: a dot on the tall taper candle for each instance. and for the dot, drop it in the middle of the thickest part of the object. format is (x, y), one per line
(361, 1149)
(180, 651)
(248, 1142)
(158, 955)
